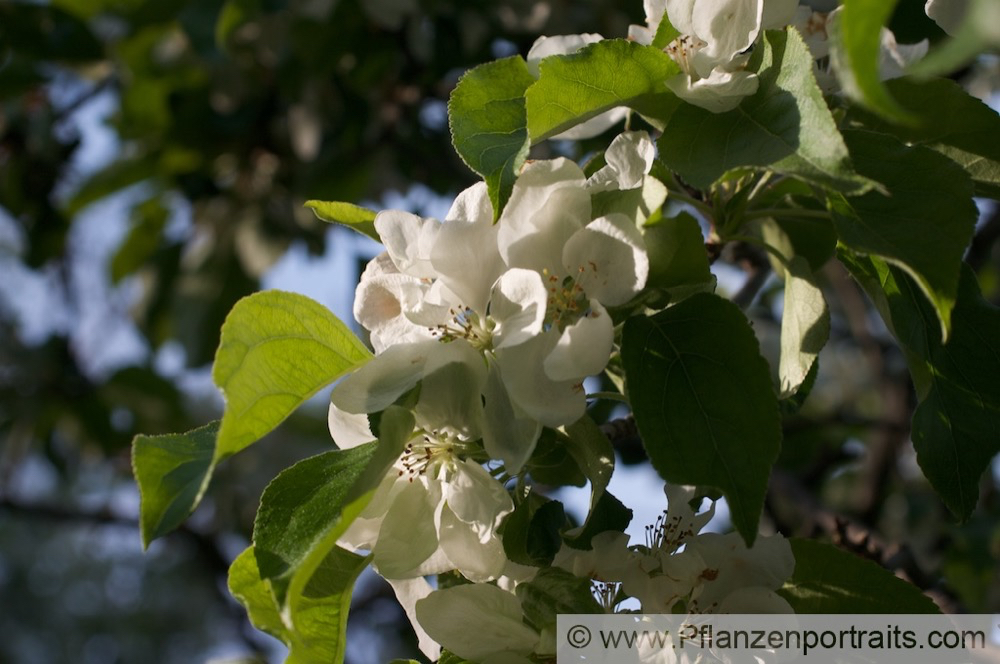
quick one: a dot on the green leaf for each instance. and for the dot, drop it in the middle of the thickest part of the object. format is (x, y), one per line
(922, 226)
(637, 204)
(277, 350)
(531, 531)
(951, 121)
(610, 73)
(805, 318)
(246, 585)
(856, 46)
(554, 591)
(665, 32)
(317, 630)
(978, 31)
(607, 513)
(677, 255)
(302, 512)
(595, 456)
(703, 401)
(828, 580)
(813, 239)
(956, 426)
(172, 472)
(354, 217)
(488, 124)
(551, 462)
(785, 127)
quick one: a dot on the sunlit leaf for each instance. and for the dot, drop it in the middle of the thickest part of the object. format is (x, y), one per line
(354, 217)
(277, 350)
(488, 124)
(316, 631)
(576, 87)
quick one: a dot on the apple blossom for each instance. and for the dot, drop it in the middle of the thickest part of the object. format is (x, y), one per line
(436, 510)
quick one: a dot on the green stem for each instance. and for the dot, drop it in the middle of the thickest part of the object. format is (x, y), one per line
(609, 396)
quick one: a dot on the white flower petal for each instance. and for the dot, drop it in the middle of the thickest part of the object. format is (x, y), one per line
(894, 58)
(408, 535)
(476, 498)
(778, 13)
(680, 13)
(768, 564)
(472, 204)
(553, 403)
(478, 560)
(475, 621)
(720, 92)
(557, 45)
(385, 378)
(595, 126)
(548, 204)
(631, 155)
(348, 429)
(466, 259)
(449, 395)
(608, 259)
(408, 593)
(380, 304)
(948, 14)
(517, 304)
(583, 348)
(508, 434)
(408, 239)
(728, 27)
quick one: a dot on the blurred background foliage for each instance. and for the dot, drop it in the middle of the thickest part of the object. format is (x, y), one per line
(216, 121)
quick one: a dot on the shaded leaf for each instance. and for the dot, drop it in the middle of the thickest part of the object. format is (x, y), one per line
(172, 472)
(555, 591)
(922, 226)
(677, 255)
(302, 513)
(785, 127)
(531, 531)
(703, 401)
(956, 426)
(951, 121)
(828, 580)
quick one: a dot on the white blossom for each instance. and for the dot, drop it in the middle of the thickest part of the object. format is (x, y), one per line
(433, 511)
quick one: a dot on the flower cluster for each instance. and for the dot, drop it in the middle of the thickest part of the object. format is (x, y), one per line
(499, 325)
(678, 567)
